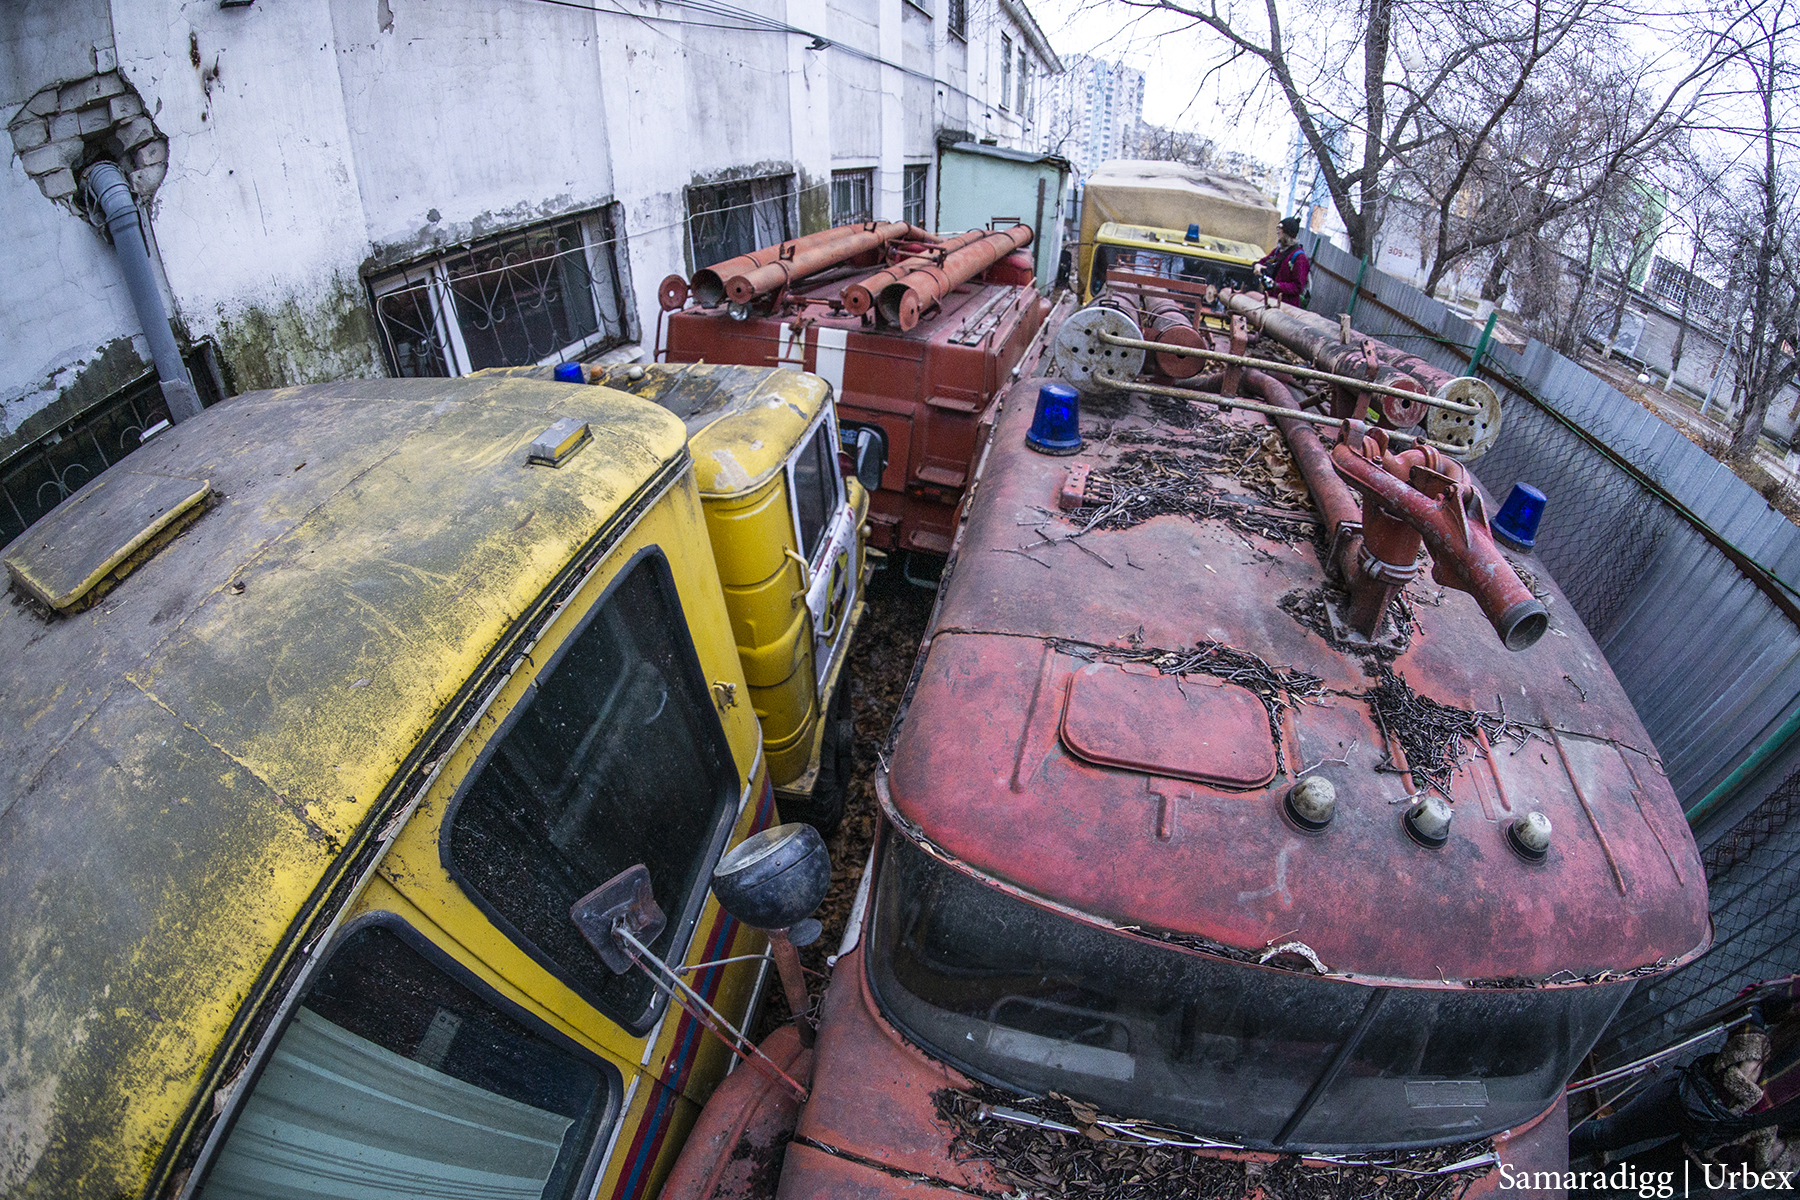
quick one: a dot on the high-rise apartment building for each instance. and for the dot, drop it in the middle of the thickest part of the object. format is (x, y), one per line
(1095, 107)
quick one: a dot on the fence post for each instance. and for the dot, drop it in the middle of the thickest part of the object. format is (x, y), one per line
(1356, 288)
(1481, 346)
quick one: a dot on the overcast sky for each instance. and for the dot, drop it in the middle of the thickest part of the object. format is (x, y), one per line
(1175, 60)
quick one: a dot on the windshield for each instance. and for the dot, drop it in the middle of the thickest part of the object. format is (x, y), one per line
(1019, 996)
(1169, 264)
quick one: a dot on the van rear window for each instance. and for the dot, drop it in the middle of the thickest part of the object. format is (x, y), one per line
(614, 757)
(396, 1077)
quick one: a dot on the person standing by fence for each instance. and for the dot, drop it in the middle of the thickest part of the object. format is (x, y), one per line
(1285, 269)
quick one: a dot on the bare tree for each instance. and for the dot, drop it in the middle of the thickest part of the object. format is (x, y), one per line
(1437, 82)
(1171, 145)
(1763, 236)
(1699, 213)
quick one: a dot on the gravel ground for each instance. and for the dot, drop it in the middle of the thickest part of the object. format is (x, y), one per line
(881, 659)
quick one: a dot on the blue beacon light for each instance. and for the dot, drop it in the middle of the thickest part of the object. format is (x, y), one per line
(1056, 427)
(1516, 524)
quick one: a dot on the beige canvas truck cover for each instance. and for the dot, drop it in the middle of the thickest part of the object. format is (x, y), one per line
(1171, 195)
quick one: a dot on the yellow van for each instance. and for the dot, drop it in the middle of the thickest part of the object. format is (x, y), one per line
(320, 712)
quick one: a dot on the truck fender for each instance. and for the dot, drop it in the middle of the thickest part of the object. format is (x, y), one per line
(737, 1146)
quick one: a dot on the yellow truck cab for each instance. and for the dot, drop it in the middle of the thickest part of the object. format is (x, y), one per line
(1149, 203)
(321, 710)
(1170, 254)
(787, 530)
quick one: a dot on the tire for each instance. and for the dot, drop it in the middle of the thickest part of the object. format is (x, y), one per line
(824, 809)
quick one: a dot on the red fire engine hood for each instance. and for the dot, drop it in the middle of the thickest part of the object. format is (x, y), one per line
(1041, 750)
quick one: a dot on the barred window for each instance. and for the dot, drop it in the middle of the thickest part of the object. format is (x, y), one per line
(959, 19)
(549, 293)
(729, 219)
(1005, 69)
(852, 196)
(1024, 81)
(913, 199)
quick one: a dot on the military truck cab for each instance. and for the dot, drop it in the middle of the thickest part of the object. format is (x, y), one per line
(322, 709)
(1143, 250)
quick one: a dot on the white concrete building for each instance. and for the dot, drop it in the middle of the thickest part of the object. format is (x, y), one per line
(333, 189)
(1095, 111)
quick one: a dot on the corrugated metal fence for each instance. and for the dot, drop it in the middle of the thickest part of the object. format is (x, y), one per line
(1689, 581)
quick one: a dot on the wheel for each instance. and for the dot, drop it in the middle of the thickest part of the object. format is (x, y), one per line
(824, 809)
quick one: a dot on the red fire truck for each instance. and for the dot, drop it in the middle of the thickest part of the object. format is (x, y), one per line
(916, 334)
(1252, 807)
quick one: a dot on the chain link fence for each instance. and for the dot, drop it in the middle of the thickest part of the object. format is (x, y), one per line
(1685, 577)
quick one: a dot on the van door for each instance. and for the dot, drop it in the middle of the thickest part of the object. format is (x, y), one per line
(826, 530)
(462, 1037)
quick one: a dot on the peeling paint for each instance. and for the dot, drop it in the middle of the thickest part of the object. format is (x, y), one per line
(731, 472)
(69, 391)
(434, 235)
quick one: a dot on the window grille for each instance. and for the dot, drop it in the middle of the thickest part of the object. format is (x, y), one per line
(544, 294)
(1005, 69)
(913, 199)
(959, 19)
(729, 219)
(1024, 81)
(852, 196)
(52, 468)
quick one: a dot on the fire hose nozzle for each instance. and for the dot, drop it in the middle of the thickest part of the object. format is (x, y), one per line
(1420, 497)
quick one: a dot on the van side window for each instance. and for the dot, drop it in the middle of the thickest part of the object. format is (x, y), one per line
(815, 488)
(395, 1076)
(614, 757)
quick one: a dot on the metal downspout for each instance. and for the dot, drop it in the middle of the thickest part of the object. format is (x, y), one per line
(106, 183)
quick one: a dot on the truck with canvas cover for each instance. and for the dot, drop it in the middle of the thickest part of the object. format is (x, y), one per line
(1174, 220)
(1256, 822)
(325, 711)
(915, 332)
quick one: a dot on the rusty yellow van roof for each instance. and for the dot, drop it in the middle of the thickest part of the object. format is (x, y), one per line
(742, 422)
(188, 766)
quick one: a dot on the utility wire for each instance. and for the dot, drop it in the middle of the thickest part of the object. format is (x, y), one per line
(744, 19)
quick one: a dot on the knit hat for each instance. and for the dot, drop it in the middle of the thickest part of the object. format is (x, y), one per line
(1291, 226)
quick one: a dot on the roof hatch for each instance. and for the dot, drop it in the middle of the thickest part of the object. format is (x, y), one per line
(1208, 731)
(84, 546)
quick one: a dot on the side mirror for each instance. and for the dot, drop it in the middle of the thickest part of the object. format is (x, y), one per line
(774, 879)
(623, 902)
(867, 447)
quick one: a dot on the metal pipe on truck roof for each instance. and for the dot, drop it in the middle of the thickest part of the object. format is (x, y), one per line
(1337, 503)
(796, 262)
(709, 283)
(1168, 324)
(900, 303)
(1286, 322)
(859, 297)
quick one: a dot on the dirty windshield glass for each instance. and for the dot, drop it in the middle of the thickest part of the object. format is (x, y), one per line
(615, 758)
(401, 1079)
(1167, 265)
(815, 489)
(1022, 997)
